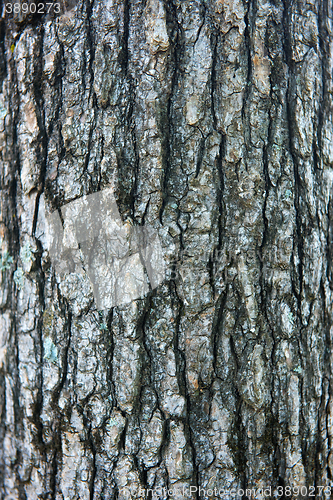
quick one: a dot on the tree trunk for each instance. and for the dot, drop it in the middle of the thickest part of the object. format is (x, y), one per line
(212, 122)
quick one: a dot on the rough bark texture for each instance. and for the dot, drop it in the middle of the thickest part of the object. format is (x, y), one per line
(212, 120)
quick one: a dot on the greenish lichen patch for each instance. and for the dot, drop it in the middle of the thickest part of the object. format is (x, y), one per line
(50, 350)
(26, 253)
(19, 278)
(5, 261)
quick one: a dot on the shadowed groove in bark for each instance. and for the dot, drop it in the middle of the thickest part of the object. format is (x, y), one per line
(124, 54)
(39, 355)
(183, 389)
(249, 19)
(165, 122)
(128, 166)
(43, 139)
(3, 62)
(220, 191)
(323, 42)
(214, 40)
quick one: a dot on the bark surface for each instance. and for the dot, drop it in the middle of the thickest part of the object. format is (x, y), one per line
(212, 121)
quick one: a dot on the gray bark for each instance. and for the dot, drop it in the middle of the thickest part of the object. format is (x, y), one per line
(212, 121)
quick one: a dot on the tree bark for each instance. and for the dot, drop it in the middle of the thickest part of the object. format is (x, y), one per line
(212, 122)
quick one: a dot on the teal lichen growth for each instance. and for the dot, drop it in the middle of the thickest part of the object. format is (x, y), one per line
(288, 193)
(19, 278)
(113, 421)
(101, 323)
(298, 369)
(291, 318)
(50, 350)
(5, 261)
(26, 254)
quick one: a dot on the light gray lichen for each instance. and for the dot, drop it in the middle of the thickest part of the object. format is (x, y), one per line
(50, 350)
(26, 254)
(291, 318)
(19, 278)
(5, 261)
